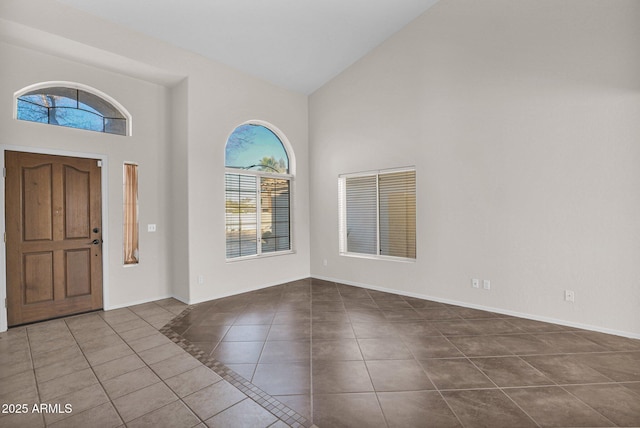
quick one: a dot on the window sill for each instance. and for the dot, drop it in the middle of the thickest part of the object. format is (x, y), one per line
(376, 257)
(259, 256)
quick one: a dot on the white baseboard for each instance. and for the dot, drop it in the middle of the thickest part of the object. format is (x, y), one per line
(245, 290)
(138, 302)
(487, 308)
(193, 302)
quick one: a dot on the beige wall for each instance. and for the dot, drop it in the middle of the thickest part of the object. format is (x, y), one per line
(184, 108)
(148, 147)
(215, 108)
(522, 119)
(179, 210)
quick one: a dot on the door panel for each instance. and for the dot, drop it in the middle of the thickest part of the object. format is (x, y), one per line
(54, 257)
(78, 264)
(36, 198)
(76, 202)
(38, 277)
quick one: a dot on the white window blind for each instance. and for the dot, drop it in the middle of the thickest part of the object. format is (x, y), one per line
(397, 208)
(257, 217)
(362, 218)
(241, 215)
(378, 214)
(274, 217)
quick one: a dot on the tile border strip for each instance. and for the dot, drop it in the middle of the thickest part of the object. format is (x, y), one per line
(266, 401)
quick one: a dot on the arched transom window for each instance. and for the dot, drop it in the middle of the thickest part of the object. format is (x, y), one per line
(72, 106)
(257, 191)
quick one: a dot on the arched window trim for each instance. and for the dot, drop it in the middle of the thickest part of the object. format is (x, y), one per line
(290, 176)
(73, 85)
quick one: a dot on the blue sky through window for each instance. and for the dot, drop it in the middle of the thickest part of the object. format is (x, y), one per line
(72, 108)
(256, 147)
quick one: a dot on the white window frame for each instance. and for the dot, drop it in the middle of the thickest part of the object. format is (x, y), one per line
(290, 176)
(259, 175)
(342, 215)
(82, 87)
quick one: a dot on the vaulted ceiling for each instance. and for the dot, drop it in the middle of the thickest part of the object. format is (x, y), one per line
(296, 44)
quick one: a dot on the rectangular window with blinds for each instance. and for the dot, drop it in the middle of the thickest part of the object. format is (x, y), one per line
(257, 215)
(378, 214)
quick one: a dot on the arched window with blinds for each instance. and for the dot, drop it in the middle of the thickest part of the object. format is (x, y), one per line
(258, 177)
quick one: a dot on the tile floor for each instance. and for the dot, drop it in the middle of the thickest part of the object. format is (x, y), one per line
(312, 351)
(115, 369)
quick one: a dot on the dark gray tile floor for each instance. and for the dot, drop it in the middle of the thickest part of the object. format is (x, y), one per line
(316, 352)
(343, 356)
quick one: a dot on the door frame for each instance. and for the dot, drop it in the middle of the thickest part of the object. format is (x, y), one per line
(105, 218)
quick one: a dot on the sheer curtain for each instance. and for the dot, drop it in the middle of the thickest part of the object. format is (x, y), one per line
(130, 235)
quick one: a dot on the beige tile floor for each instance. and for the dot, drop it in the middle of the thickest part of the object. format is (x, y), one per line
(116, 369)
(339, 356)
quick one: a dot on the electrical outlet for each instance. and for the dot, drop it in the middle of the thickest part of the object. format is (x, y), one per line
(151, 228)
(324, 262)
(475, 282)
(569, 296)
(200, 279)
(486, 284)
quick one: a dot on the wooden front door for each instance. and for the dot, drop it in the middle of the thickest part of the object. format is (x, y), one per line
(54, 236)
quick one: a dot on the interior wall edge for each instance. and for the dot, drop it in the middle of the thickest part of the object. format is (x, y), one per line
(247, 290)
(589, 327)
(139, 302)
